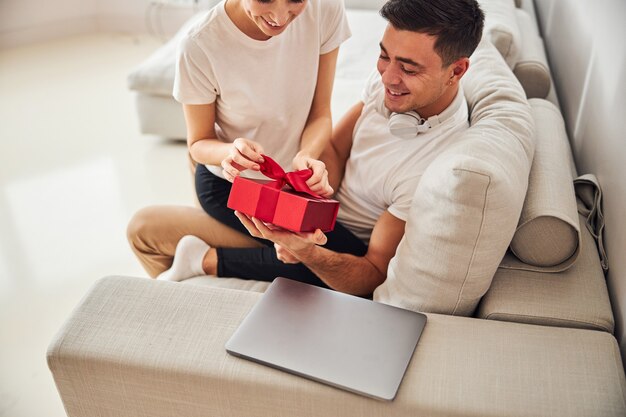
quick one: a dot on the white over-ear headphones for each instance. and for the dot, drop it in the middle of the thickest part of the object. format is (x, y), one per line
(409, 125)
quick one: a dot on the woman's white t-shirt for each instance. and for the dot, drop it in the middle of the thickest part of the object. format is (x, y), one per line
(383, 170)
(263, 89)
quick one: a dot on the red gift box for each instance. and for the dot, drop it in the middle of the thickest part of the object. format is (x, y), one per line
(297, 209)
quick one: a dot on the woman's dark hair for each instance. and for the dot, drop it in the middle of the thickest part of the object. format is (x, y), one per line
(457, 24)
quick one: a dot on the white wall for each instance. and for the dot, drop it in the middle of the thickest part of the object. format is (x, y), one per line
(25, 21)
(145, 15)
(589, 62)
(20, 14)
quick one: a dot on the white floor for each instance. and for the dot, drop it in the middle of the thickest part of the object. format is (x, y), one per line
(73, 170)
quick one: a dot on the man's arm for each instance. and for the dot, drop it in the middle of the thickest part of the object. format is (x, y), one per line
(343, 272)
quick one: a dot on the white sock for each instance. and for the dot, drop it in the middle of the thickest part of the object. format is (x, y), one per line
(188, 258)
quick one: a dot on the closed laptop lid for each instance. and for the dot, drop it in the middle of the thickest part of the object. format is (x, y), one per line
(338, 339)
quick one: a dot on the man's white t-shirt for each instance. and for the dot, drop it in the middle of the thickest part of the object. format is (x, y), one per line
(263, 89)
(383, 170)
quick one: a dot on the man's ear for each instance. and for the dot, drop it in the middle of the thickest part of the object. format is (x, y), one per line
(459, 68)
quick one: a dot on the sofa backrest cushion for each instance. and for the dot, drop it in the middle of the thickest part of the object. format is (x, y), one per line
(467, 204)
(501, 28)
(364, 4)
(548, 234)
(357, 59)
(155, 75)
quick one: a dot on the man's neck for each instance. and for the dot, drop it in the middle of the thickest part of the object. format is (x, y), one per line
(440, 105)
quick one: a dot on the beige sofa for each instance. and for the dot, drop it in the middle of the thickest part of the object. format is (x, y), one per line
(523, 267)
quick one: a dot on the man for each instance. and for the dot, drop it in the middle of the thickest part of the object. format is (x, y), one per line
(411, 110)
(423, 55)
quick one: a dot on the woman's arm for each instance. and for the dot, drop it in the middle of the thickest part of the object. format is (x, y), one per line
(319, 124)
(318, 129)
(206, 148)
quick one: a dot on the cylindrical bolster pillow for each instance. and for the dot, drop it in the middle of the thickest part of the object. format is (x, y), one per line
(501, 28)
(548, 234)
(531, 68)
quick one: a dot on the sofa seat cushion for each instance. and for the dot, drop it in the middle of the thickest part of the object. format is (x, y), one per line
(467, 204)
(138, 347)
(577, 297)
(548, 234)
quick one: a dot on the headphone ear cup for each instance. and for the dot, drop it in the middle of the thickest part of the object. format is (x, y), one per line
(404, 125)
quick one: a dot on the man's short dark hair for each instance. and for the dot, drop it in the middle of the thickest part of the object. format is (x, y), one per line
(457, 24)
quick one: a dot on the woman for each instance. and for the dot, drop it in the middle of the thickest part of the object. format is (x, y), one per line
(254, 77)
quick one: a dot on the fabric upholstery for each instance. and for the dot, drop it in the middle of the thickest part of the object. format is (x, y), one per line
(548, 233)
(589, 199)
(136, 347)
(531, 68)
(364, 4)
(160, 115)
(155, 75)
(577, 297)
(467, 204)
(529, 7)
(501, 28)
(356, 59)
(229, 283)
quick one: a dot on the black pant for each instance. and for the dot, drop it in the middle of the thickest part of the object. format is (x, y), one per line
(260, 263)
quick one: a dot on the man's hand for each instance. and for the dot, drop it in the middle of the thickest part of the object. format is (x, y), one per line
(288, 244)
(352, 274)
(318, 183)
(244, 154)
(285, 256)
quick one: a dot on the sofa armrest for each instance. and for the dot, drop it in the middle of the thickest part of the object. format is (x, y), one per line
(137, 347)
(577, 297)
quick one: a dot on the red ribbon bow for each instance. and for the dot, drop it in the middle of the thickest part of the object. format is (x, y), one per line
(295, 179)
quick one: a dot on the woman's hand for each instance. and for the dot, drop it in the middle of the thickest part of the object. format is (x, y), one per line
(244, 154)
(318, 183)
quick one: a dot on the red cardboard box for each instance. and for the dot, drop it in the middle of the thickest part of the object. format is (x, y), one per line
(254, 198)
(296, 208)
(300, 212)
(289, 209)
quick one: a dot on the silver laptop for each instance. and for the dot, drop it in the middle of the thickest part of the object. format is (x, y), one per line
(338, 339)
